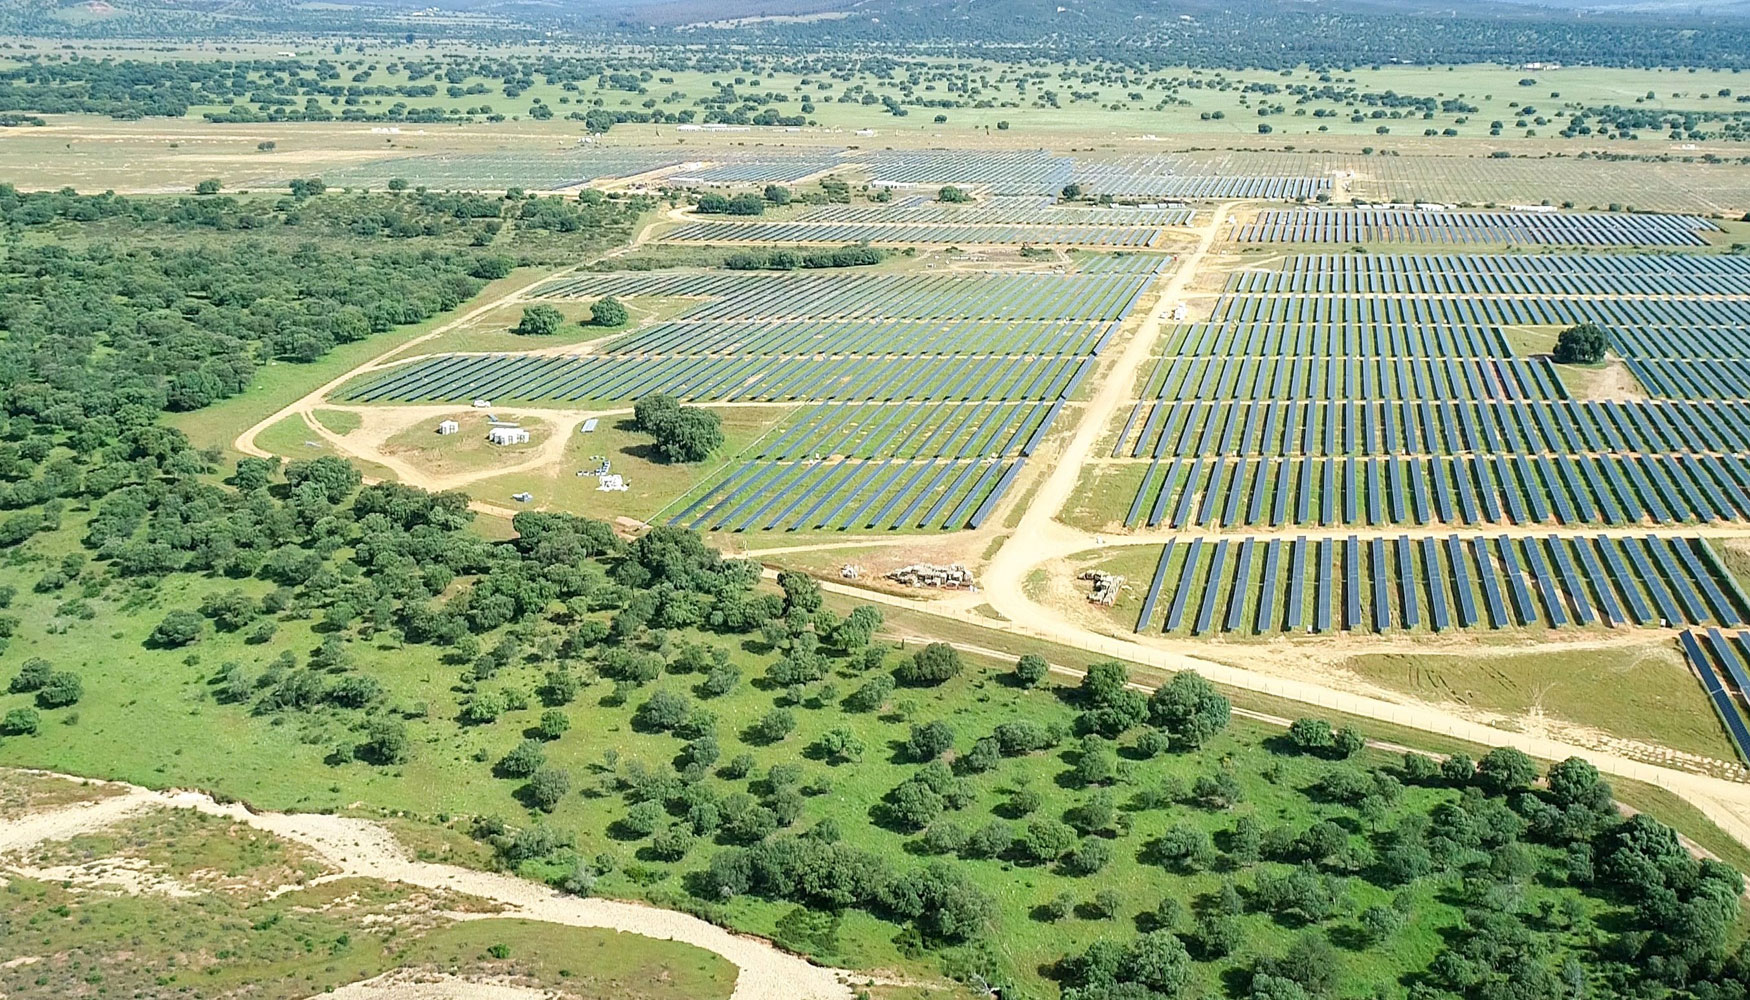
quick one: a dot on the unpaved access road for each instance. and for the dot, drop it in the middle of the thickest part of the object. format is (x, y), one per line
(361, 848)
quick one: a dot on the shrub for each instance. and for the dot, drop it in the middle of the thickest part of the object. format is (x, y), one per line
(553, 724)
(19, 722)
(179, 628)
(548, 787)
(929, 741)
(524, 760)
(746, 203)
(1189, 709)
(539, 321)
(1311, 735)
(386, 742)
(870, 696)
(682, 433)
(931, 665)
(1505, 769)
(60, 690)
(774, 726)
(1347, 742)
(608, 311)
(31, 676)
(1031, 669)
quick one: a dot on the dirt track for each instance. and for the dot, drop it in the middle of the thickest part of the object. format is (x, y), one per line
(363, 849)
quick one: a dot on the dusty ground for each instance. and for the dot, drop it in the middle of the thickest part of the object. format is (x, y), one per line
(358, 848)
(432, 986)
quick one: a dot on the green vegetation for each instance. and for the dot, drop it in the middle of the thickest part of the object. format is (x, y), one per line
(645, 718)
(303, 943)
(1583, 344)
(769, 754)
(682, 434)
(539, 321)
(790, 260)
(608, 312)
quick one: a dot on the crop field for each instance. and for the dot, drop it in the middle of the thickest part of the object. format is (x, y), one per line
(1127, 237)
(1378, 225)
(915, 416)
(1259, 586)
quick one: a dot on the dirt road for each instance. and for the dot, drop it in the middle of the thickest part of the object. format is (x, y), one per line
(1040, 537)
(363, 849)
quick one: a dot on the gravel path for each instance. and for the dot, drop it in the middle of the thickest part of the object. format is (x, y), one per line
(364, 849)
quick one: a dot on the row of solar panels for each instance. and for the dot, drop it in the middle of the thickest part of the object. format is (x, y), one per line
(1261, 586)
(1710, 655)
(1444, 427)
(1520, 489)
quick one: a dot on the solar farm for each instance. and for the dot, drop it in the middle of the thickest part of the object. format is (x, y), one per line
(1377, 393)
(1336, 428)
(917, 398)
(1039, 172)
(1529, 228)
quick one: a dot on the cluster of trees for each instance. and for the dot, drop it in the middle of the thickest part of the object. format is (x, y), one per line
(790, 260)
(542, 320)
(745, 203)
(681, 433)
(1496, 840)
(293, 278)
(49, 689)
(1581, 344)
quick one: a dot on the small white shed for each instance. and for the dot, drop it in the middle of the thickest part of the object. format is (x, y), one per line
(448, 427)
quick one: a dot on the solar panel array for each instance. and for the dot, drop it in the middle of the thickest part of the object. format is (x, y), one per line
(1392, 225)
(1267, 585)
(922, 395)
(1132, 237)
(1377, 393)
(1037, 172)
(1003, 211)
(1166, 176)
(1712, 653)
(758, 166)
(540, 170)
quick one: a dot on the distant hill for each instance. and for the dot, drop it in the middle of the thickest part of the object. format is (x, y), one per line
(1262, 33)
